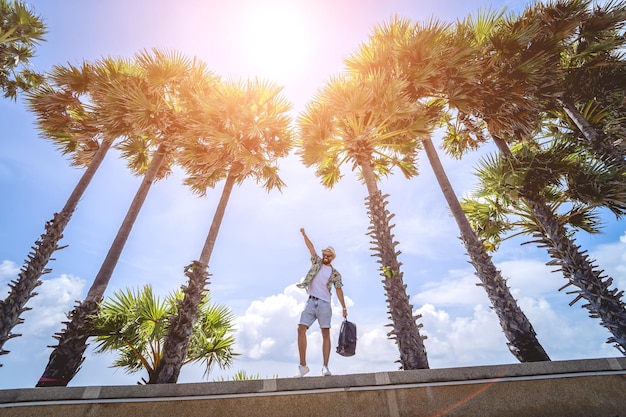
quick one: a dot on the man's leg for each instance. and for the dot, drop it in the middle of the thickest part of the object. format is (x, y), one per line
(302, 343)
(306, 319)
(324, 317)
(326, 345)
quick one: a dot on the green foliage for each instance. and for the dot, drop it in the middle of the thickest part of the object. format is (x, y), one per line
(366, 120)
(572, 182)
(242, 375)
(68, 107)
(20, 31)
(135, 323)
(240, 128)
(389, 272)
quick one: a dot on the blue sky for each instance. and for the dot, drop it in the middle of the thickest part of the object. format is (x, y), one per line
(259, 254)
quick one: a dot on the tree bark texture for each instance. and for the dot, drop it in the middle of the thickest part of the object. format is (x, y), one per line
(604, 148)
(177, 342)
(100, 283)
(22, 289)
(602, 302)
(405, 330)
(522, 339)
(181, 325)
(67, 357)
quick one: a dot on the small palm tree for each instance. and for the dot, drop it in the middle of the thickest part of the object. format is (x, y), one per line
(236, 133)
(135, 323)
(20, 31)
(241, 376)
(370, 122)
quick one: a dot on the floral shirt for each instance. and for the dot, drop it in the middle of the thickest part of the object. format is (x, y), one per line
(316, 265)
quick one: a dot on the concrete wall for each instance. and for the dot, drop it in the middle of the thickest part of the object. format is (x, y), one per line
(583, 388)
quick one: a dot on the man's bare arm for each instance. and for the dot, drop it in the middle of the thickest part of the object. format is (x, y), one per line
(342, 302)
(308, 242)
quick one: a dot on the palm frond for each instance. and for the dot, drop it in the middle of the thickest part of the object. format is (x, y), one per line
(134, 323)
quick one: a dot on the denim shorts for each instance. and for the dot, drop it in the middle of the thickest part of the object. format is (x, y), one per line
(316, 310)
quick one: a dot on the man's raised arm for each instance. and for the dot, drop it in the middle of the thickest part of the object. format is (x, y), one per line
(308, 242)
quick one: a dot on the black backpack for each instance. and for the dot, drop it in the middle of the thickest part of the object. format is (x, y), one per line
(346, 345)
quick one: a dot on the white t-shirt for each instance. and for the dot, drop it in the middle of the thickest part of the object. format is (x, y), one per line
(319, 285)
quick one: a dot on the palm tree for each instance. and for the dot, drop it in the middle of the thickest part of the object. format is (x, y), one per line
(553, 60)
(150, 111)
(135, 324)
(574, 184)
(517, 328)
(430, 62)
(66, 114)
(585, 44)
(556, 175)
(20, 31)
(370, 122)
(239, 132)
(507, 72)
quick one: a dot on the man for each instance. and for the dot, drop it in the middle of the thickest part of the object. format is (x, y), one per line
(318, 283)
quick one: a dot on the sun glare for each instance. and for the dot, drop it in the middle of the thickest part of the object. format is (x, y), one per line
(276, 39)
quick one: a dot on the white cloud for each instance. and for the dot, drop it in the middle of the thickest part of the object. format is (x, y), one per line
(458, 340)
(461, 330)
(270, 323)
(265, 324)
(8, 269)
(612, 258)
(458, 288)
(530, 278)
(55, 298)
(29, 353)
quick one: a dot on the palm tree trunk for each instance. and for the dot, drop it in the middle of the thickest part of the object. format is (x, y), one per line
(517, 329)
(209, 244)
(580, 271)
(29, 277)
(181, 325)
(100, 283)
(579, 120)
(605, 150)
(405, 329)
(576, 266)
(67, 356)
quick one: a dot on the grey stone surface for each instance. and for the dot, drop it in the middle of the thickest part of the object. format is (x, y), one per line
(585, 388)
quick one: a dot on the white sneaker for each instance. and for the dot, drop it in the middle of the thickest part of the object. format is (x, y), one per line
(325, 371)
(302, 371)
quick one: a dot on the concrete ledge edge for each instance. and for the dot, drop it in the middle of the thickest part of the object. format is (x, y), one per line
(298, 386)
